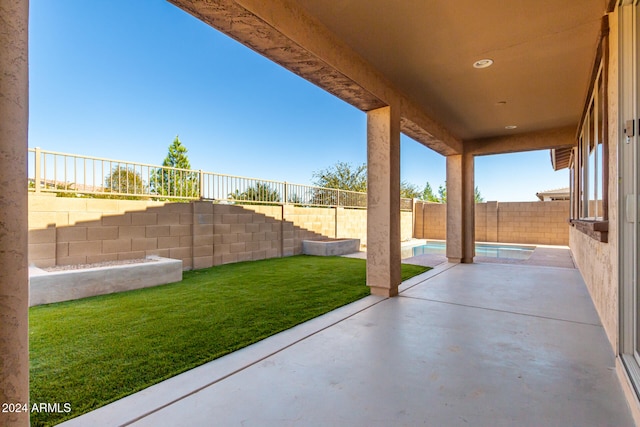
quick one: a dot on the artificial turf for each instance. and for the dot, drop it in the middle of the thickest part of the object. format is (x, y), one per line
(93, 351)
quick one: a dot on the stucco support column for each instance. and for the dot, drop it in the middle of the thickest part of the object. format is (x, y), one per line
(14, 291)
(460, 208)
(383, 201)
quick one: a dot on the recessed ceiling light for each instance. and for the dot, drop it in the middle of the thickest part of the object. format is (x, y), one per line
(511, 127)
(483, 63)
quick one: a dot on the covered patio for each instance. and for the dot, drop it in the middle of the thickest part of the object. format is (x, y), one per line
(464, 344)
(467, 343)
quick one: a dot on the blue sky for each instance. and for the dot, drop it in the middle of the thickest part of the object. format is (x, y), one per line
(121, 78)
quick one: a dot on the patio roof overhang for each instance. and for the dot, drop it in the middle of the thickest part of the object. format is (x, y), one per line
(420, 56)
(561, 158)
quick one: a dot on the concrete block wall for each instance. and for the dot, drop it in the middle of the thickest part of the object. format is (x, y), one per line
(298, 224)
(542, 223)
(319, 220)
(430, 220)
(243, 235)
(65, 231)
(481, 222)
(352, 223)
(418, 220)
(406, 225)
(491, 221)
(329, 222)
(534, 222)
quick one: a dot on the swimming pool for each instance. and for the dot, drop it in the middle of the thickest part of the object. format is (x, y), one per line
(490, 250)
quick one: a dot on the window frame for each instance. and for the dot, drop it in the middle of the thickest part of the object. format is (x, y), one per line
(589, 163)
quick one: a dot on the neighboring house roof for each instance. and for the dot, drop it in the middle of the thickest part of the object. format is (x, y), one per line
(558, 194)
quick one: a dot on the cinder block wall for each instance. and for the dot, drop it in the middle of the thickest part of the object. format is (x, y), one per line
(406, 225)
(352, 223)
(64, 231)
(333, 223)
(430, 220)
(542, 223)
(481, 222)
(320, 220)
(534, 222)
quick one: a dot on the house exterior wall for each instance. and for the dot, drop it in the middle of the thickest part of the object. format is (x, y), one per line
(598, 261)
(598, 267)
(511, 222)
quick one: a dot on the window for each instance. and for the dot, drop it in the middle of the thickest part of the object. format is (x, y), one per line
(591, 166)
(589, 163)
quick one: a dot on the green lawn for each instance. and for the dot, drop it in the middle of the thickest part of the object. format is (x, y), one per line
(91, 352)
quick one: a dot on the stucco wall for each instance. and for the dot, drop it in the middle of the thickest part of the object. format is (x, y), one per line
(510, 222)
(598, 262)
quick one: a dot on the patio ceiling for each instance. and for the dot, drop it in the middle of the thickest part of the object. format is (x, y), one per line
(422, 53)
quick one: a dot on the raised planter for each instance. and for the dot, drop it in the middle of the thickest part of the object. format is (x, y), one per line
(330, 247)
(46, 287)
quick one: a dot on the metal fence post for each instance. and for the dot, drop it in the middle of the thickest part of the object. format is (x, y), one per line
(201, 182)
(413, 218)
(286, 193)
(37, 173)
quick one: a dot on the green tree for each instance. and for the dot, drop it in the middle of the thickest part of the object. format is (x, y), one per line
(477, 196)
(428, 195)
(409, 191)
(125, 180)
(343, 176)
(260, 192)
(180, 180)
(442, 193)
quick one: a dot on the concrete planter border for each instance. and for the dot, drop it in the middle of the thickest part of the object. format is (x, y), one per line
(330, 247)
(55, 286)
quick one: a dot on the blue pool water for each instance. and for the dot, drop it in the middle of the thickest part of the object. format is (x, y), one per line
(482, 249)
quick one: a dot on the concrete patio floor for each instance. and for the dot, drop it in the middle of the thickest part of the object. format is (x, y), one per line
(463, 345)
